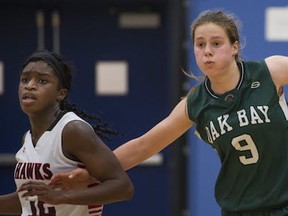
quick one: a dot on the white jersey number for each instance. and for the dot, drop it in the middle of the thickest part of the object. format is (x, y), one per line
(38, 209)
(249, 146)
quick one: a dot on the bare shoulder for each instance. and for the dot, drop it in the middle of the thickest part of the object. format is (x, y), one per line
(278, 67)
(77, 126)
(276, 62)
(78, 136)
(79, 131)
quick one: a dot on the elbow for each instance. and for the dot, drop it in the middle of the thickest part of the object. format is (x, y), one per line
(129, 191)
(126, 189)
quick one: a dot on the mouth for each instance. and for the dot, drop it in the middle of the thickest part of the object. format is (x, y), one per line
(28, 96)
(209, 63)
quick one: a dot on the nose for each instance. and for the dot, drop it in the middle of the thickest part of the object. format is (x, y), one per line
(30, 85)
(208, 50)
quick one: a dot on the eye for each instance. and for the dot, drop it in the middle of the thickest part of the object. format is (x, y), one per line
(200, 45)
(216, 44)
(24, 80)
(43, 81)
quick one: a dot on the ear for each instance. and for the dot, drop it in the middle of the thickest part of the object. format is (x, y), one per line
(235, 48)
(62, 93)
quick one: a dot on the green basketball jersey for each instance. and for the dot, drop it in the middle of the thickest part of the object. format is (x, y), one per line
(249, 129)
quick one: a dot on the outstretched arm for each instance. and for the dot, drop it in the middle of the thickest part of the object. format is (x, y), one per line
(135, 151)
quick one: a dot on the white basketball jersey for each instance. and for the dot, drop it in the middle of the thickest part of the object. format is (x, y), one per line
(39, 163)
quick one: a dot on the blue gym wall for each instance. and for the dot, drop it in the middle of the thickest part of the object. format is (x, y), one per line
(203, 161)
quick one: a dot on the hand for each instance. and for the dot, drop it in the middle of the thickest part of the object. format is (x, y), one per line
(76, 179)
(40, 191)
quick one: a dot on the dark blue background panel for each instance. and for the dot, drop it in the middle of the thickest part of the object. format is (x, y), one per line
(89, 32)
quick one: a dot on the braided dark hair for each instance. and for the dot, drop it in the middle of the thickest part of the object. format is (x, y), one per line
(63, 71)
(101, 128)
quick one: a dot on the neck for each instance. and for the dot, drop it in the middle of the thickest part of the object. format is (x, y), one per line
(40, 123)
(227, 80)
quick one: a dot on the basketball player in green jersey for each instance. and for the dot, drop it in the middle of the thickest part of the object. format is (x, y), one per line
(240, 110)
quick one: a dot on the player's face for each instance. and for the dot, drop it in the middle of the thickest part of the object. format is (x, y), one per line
(38, 88)
(213, 50)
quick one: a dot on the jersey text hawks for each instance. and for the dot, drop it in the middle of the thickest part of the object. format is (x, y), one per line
(36, 171)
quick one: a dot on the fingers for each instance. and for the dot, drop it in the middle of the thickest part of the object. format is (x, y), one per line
(59, 176)
(36, 191)
(59, 180)
(77, 178)
(29, 186)
(77, 173)
(33, 198)
(39, 191)
(55, 185)
(31, 190)
(62, 178)
(31, 195)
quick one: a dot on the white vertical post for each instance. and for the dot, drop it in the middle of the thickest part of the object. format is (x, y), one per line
(1, 78)
(40, 23)
(56, 31)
